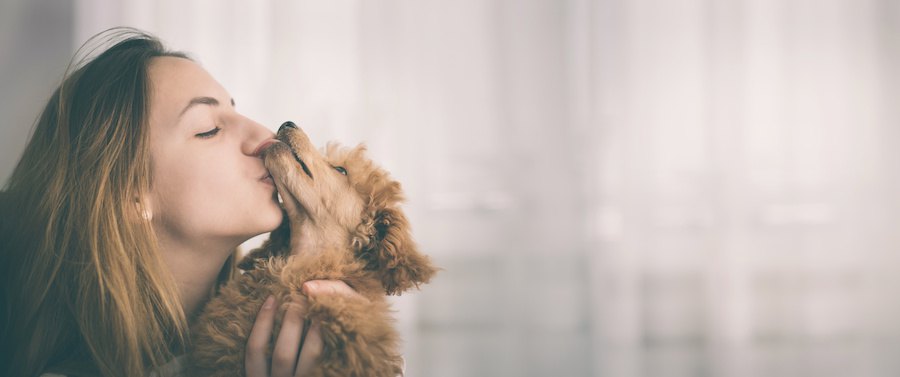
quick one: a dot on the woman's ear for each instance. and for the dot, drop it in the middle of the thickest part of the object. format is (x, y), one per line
(144, 208)
(385, 243)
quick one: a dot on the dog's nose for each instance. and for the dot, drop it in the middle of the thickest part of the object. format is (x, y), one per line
(287, 124)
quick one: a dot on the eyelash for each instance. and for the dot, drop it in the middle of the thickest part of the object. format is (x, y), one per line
(209, 134)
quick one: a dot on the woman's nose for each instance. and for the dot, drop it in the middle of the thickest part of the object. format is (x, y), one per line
(257, 138)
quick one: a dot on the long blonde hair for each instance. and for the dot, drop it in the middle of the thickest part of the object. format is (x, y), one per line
(85, 284)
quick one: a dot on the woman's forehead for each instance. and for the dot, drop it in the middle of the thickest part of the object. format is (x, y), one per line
(175, 82)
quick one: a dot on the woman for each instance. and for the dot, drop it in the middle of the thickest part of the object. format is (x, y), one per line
(123, 215)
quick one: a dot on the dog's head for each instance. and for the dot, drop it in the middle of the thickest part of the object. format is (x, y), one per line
(348, 200)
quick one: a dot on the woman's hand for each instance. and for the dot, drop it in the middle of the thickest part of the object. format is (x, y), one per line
(289, 358)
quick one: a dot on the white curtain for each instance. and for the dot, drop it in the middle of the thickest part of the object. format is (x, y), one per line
(744, 214)
(613, 187)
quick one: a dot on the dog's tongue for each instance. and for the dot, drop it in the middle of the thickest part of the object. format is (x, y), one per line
(265, 145)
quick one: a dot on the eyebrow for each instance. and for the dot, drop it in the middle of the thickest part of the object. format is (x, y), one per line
(202, 101)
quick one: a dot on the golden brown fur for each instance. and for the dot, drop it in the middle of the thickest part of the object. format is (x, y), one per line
(338, 227)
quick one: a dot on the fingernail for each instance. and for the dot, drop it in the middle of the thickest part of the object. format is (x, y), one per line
(270, 302)
(309, 286)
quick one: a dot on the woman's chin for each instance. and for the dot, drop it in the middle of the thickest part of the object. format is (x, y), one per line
(270, 223)
(275, 218)
(262, 229)
(271, 216)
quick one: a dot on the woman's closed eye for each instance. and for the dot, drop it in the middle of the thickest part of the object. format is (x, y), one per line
(208, 134)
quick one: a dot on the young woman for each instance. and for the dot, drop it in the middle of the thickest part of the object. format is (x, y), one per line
(122, 218)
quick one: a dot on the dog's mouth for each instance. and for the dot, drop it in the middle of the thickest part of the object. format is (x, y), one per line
(302, 164)
(282, 137)
(297, 157)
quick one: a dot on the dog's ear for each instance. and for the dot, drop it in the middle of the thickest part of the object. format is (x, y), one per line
(384, 242)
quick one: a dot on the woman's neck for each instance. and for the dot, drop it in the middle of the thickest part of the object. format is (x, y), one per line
(195, 268)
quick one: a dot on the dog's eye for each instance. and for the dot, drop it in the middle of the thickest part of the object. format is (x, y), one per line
(340, 170)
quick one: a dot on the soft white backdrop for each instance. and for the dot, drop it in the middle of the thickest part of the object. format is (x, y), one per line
(614, 187)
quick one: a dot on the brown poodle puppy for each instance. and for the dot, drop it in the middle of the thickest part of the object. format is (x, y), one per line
(343, 222)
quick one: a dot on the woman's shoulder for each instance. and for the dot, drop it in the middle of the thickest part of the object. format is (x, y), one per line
(174, 368)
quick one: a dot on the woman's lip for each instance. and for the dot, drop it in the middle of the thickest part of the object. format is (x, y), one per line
(265, 144)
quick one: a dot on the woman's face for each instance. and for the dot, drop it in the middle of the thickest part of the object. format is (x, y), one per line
(208, 185)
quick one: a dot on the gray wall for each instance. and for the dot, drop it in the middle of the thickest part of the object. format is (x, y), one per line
(36, 45)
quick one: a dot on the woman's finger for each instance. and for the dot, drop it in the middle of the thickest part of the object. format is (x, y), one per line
(312, 349)
(255, 362)
(317, 287)
(284, 357)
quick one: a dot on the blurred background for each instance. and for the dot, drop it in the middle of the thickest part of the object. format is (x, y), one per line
(613, 187)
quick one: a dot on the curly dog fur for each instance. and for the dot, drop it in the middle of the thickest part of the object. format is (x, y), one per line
(342, 222)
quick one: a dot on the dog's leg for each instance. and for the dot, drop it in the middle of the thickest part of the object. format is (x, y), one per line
(358, 337)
